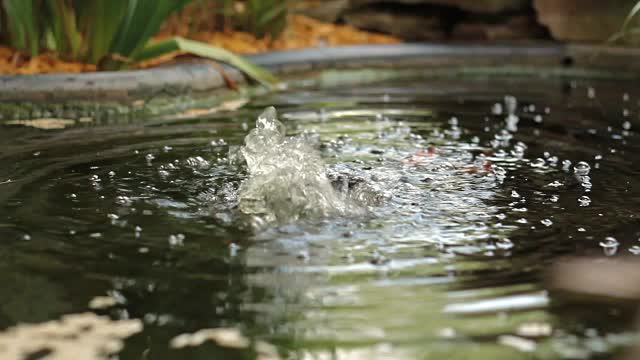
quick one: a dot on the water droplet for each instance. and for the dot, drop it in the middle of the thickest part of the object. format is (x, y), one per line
(609, 246)
(555, 184)
(143, 250)
(303, 255)
(496, 109)
(591, 93)
(626, 112)
(582, 229)
(26, 237)
(626, 125)
(538, 163)
(582, 168)
(584, 201)
(566, 165)
(504, 244)
(167, 148)
(511, 104)
(112, 173)
(176, 240)
(514, 194)
(625, 97)
(635, 250)
(554, 198)
(546, 222)
(538, 119)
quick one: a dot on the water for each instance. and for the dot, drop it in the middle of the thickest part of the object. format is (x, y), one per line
(434, 211)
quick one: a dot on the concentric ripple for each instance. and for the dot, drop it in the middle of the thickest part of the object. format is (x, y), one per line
(455, 196)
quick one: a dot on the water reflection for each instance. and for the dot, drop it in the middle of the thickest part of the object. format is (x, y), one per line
(449, 260)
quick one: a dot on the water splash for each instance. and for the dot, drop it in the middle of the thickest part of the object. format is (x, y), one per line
(287, 176)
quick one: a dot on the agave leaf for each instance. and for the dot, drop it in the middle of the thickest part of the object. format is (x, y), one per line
(65, 32)
(204, 50)
(143, 19)
(22, 23)
(100, 20)
(632, 14)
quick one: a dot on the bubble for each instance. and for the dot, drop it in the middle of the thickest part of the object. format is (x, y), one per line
(626, 125)
(167, 148)
(566, 165)
(514, 194)
(554, 198)
(582, 169)
(149, 158)
(546, 222)
(635, 250)
(591, 93)
(538, 119)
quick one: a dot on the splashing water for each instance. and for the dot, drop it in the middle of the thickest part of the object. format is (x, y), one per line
(287, 177)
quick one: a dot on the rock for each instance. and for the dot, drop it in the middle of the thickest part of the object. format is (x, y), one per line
(583, 20)
(519, 27)
(478, 6)
(328, 11)
(412, 27)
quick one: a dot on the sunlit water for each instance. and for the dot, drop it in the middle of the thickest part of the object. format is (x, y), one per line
(433, 210)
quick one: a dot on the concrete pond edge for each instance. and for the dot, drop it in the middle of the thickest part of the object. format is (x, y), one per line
(194, 88)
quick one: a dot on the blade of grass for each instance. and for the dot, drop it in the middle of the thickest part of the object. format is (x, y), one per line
(211, 52)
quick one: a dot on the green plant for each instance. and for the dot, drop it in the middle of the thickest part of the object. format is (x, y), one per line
(258, 17)
(112, 34)
(264, 17)
(627, 28)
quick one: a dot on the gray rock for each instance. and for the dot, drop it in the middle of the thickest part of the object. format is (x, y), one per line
(327, 11)
(583, 20)
(479, 6)
(518, 27)
(412, 27)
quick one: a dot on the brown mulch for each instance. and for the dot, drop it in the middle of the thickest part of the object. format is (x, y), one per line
(301, 32)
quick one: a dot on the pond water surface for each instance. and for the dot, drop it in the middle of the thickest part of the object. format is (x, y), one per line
(458, 195)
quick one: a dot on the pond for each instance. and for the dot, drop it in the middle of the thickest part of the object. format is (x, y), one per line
(409, 219)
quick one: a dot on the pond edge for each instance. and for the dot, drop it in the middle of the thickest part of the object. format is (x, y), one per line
(181, 88)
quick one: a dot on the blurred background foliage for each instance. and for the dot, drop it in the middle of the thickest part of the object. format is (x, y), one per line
(105, 32)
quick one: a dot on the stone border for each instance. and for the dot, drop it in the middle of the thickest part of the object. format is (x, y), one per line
(182, 86)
